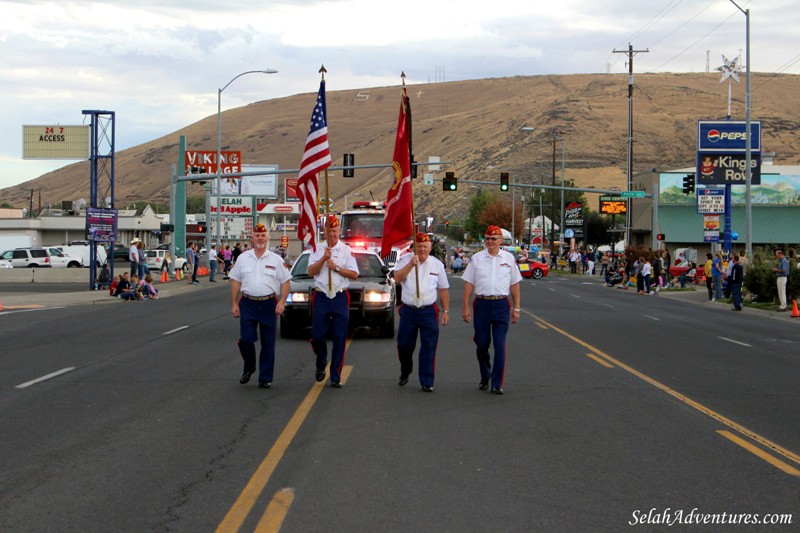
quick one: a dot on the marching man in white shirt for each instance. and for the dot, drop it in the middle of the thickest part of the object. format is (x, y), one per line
(259, 288)
(492, 274)
(419, 312)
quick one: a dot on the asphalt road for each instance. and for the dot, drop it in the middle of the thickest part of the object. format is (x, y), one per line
(148, 429)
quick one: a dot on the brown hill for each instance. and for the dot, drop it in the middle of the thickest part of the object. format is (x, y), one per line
(474, 125)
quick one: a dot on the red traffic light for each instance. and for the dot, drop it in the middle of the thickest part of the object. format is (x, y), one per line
(661, 237)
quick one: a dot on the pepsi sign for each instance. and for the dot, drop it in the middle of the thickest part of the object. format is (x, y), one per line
(726, 136)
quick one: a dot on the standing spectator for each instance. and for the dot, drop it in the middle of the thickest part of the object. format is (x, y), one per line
(227, 256)
(735, 283)
(142, 270)
(421, 315)
(716, 273)
(333, 267)
(259, 288)
(645, 273)
(192, 259)
(637, 272)
(782, 272)
(707, 272)
(237, 251)
(604, 263)
(492, 275)
(590, 263)
(212, 263)
(165, 264)
(574, 258)
(133, 256)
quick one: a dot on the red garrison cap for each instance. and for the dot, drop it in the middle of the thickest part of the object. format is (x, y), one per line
(493, 231)
(423, 237)
(260, 228)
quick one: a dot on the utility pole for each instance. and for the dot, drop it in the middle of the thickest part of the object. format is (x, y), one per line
(630, 52)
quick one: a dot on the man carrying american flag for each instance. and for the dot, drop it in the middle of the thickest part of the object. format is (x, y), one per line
(316, 157)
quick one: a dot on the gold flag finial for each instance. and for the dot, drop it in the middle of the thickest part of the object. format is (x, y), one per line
(323, 70)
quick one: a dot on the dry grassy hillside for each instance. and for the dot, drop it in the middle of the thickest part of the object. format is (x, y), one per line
(474, 125)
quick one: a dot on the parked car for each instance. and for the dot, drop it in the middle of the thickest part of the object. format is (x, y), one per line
(120, 252)
(372, 297)
(533, 269)
(155, 260)
(59, 259)
(27, 258)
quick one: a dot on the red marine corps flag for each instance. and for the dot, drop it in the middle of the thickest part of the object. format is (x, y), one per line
(316, 157)
(399, 222)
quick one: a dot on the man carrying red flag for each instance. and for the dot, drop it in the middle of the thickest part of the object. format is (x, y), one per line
(316, 157)
(398, 224)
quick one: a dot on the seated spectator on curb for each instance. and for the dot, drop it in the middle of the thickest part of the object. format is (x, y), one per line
(148, 291)
(125, 289)
(689, 275)
(113, 287)
(104, 275)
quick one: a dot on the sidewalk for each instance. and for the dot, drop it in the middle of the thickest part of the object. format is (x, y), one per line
(13, 301)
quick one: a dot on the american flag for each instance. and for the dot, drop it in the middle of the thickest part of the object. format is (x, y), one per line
(317, 156)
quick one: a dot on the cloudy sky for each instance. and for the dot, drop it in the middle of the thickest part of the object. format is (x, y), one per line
(159, 63)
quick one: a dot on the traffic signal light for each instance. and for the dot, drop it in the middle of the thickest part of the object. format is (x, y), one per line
(661, 237)
(688, 184)
(349, 160)
(504, 181)
(201, 229)
(450, 182)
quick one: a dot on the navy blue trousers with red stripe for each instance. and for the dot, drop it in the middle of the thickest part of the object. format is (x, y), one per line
(330, 316)
(426, 322)
(491, 319)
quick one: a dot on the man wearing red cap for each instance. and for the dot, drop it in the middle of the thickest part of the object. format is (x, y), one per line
(493, 275)
(332, 266)
(419, 312)
(259, 288)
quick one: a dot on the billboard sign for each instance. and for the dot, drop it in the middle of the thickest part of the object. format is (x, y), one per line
(101, 224)
(711, 228)
(613, 205)
(710, 201)
(56, 142)
(719, 168)
(292, 194)
(205, 162)
(239, 206)
(727, 136)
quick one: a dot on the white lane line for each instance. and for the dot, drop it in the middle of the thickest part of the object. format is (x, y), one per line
(577, 296)
(45, 378)
(651, 317)
(735, 342)
(174, 330)
(608, 305)
(12, 311)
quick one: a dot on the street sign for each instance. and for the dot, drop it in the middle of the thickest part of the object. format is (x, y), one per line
(632, 194)
(428, 179)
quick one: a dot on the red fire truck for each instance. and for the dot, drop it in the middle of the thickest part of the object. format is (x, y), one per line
(362, 227)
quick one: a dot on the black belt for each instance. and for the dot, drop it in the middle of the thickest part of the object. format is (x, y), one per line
(479, 297)
(259, 298)
(417, 308)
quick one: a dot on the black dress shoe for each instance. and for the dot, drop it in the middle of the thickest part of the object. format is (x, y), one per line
(264, 384)
(483, 385)
(336, 384)
(403, 381)
(497, 390)
(427, 388)
(320, 375)
(245, 377)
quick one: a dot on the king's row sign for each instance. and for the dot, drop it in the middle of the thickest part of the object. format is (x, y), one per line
(721, 152)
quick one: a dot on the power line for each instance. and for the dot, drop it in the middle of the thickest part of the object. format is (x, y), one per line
(712, 30)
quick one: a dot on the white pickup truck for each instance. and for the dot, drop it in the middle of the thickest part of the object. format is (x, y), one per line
(155, 260)
(83, 251)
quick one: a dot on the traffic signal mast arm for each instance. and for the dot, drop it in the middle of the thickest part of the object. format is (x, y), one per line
(555, 187)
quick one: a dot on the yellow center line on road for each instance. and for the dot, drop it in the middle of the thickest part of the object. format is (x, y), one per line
(244, 503)
(273, 517)
(752, 435)
(777, 463)
(599, 360)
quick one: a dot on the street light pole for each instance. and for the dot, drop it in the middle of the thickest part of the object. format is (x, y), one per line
(748, 146)
(219, 145)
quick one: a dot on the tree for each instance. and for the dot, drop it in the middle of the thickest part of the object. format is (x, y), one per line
(476, 206)
(497, 211)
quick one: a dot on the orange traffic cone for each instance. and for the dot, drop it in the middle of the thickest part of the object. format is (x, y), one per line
(795, 313)
(1, 305)
(164, 276)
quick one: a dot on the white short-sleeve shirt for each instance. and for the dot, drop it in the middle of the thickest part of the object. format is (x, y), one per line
(492, 275)
(432, 277)
(260, 276)
(342, 255)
